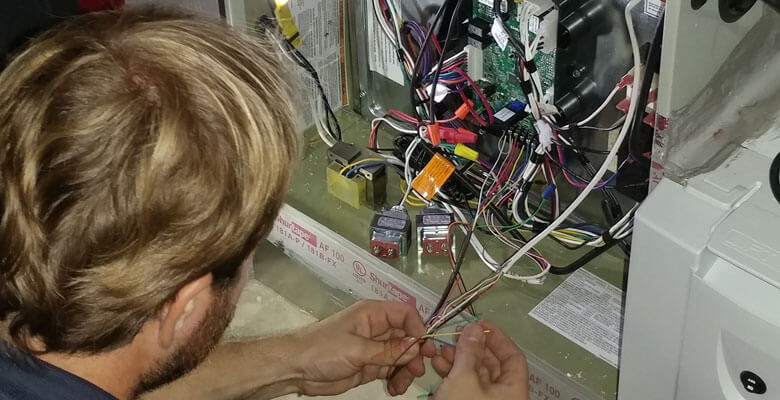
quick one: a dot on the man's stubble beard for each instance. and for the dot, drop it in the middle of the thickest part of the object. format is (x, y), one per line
(191, 354)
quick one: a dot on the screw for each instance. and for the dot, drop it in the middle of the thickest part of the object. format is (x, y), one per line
(577, 72)
(376, 249)
(362, 93)
(390, 252)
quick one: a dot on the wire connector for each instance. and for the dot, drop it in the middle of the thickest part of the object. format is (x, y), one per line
(549, 192)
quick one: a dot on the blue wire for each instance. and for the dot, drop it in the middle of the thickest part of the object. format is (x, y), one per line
(351, 171)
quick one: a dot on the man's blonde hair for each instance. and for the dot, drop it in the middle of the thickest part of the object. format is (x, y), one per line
(139, 149)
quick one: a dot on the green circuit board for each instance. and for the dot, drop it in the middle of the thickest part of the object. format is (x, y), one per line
(500, 67)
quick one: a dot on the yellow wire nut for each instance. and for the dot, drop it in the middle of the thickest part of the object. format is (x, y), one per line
(286, 22)
(466, 152)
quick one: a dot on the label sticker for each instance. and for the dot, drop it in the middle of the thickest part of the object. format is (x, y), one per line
(586, 310)
(489, 3)
(498, 32)
(433, 176)
(383, 58)
(654, 8)
(437, 219)
(533, 24)
(504, 114)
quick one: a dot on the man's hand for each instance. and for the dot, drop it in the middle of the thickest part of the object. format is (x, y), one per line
(370, 340)
(485, 366)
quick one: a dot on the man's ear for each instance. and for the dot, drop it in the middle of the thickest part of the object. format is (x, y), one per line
(186, 310)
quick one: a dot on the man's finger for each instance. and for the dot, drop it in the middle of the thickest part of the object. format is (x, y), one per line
(512, 361)
(470, 350)
(428, 349)
(388, 352)
(385, 315)
(400, 381)
(441, 365)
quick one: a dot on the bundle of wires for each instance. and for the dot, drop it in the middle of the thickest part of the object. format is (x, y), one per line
(328, 127)
(515, 192)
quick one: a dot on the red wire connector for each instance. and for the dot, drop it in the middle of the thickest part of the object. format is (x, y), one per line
(626, 80)
(464, 109)
(433, 134)
(460, 135)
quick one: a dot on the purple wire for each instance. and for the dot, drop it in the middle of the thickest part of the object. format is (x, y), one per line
(418, 33)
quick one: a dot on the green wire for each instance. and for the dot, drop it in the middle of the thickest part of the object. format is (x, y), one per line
(522, 224)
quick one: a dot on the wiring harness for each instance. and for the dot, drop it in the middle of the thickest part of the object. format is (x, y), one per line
(504, 190)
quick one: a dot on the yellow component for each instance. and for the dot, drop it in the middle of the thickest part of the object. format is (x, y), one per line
(286, 22)
(466, 152)
(352, 191)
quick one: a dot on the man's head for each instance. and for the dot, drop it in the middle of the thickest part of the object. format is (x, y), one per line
(143, 155)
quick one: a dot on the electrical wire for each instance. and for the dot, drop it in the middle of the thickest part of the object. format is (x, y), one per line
(774, 177)
(434, 85)
(457, 305)
(611, 156)
(416, 66)
(652, 64)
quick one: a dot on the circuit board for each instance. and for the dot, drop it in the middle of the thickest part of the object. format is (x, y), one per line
(500, 66)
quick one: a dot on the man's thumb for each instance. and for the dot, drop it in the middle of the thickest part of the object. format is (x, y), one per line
(470, 349)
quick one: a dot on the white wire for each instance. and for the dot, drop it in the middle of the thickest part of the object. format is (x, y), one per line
(407, 170)
(321, 129)
(598, 111)
(392, 125)
(610, 157)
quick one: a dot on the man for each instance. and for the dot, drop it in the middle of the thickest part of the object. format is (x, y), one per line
(143, 156)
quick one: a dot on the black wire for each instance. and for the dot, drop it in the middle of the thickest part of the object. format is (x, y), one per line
(567, 169)
(267, 23)
(305, 64)
(519, 48)
(652, 64)
(774, 178)
(432, 96)
(413, 81)
(609, 128)
(582, 261)
(582, 149)
(455, 273)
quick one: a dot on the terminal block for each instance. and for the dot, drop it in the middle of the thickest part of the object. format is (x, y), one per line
(364, 185)
(432, 230)
(391, 233)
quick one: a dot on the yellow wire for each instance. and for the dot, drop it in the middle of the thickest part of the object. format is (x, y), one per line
(363, 161)
(412, 200)
(433, 335)
(494, 197)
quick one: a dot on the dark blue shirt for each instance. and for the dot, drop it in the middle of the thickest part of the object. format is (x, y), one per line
(23, 377)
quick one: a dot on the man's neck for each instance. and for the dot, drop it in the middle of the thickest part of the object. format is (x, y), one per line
(116, 372)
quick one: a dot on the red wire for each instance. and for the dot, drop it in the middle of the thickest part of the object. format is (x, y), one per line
(481, 95)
